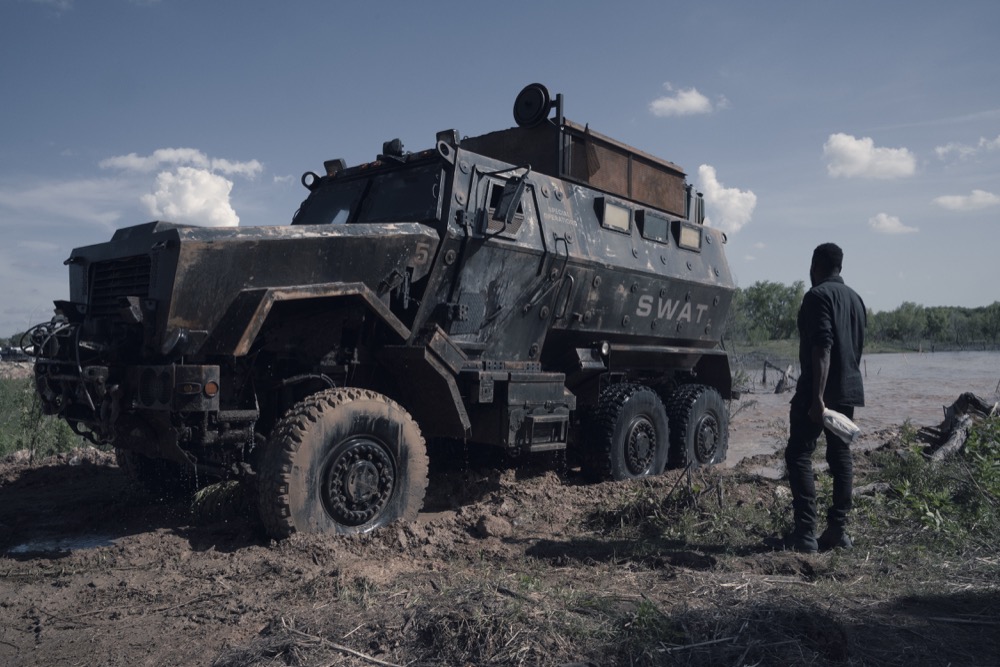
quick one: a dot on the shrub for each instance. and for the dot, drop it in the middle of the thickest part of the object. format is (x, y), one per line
(23, 426)
(951, 504)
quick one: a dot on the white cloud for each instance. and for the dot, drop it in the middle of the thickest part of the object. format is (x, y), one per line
(979, 199)
(685, 102)
(193, 190)
(959, 150)
(850, 157)
(729, 209)
(159, 157)
(192, 196)
(883, 223)
(246, 169)
(181, 157)
(964, 151)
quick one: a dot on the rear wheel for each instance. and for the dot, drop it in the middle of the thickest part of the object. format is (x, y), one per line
(342, 461)
(628, 434)
(699, 426)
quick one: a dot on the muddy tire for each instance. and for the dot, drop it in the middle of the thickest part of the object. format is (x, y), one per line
(342, 461)
(699, 426)
(627, 434)
(228, 500)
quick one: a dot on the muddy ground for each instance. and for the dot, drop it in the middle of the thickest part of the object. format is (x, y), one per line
(515, 565)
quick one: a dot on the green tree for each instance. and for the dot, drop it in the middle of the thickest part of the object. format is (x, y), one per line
(13, 341)
(770, 309)
(937, 324)
(958, 325)
(908, 323)
(991, 322)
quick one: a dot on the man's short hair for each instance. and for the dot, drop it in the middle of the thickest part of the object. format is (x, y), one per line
(828, 257)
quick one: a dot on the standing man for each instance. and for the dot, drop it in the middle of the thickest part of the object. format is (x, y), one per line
(831, 322)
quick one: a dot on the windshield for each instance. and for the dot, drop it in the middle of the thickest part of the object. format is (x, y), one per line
(402, 195)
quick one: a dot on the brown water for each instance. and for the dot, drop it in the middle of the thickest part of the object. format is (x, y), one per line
(914, 387)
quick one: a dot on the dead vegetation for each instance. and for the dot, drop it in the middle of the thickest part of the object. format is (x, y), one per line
(520, 565)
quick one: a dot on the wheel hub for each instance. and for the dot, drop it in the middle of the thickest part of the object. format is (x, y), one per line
(707, 438)
(640, 446)
(358, 482)
(361, 482)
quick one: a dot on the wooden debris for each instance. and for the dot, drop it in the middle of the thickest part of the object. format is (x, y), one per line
(785, 383)
(958, 419)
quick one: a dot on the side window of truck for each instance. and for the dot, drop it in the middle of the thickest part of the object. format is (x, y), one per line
(494, 191)
(613, 216)
(653, 226)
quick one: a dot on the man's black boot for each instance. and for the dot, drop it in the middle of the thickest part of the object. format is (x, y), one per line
(803, 542)
(834, 538)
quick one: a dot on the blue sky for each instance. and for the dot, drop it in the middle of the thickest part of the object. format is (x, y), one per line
(875, 125)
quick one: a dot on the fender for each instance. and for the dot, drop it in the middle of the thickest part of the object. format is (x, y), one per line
(247, 314)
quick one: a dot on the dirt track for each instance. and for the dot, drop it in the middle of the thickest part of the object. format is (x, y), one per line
(95, 573)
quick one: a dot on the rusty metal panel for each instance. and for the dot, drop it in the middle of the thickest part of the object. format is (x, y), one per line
(651, 186)
(576, 153)
(611, 174)
(537, 146)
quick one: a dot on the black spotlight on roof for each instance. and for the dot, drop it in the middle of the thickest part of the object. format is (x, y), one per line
(533, 104)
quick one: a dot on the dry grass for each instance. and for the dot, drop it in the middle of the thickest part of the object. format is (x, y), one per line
(668, 572)
(670, 616)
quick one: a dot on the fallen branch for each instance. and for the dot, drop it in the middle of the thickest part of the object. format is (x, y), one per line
(786, 382)
(956, 440)
(337, 647)
(200, 598)
(699, 644)
(872, 489)
(958, 420)
(966, 621)
(356, 654)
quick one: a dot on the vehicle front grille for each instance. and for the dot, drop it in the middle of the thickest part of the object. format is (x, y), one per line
(113, 279)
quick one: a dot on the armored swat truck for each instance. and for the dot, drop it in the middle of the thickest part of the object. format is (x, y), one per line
(536, 289)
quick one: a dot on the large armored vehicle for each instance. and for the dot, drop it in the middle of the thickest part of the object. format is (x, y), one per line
(535, 289)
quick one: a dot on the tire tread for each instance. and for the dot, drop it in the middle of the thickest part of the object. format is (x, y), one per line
(288, 437)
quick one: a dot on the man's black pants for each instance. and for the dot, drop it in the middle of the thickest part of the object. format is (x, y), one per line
(802, 437)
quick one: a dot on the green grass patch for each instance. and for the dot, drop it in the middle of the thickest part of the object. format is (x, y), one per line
(941, 508)
(952, 506)
(23, 426)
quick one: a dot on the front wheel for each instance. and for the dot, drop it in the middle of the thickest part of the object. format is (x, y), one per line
(342, 461)
(699, 426)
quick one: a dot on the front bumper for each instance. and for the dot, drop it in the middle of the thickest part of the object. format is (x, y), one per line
(96, 394)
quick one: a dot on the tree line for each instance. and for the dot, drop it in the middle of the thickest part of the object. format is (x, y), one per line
(768, 311)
